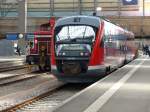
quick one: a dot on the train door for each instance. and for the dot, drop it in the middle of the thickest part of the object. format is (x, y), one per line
(42, 48)
(42, 44)
(44, 52)
(31, 46)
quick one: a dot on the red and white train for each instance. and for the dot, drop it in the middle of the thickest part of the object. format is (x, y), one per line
(86, 47)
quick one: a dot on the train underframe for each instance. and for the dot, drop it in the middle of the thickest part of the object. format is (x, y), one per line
(75, 71)
(43, 64)
(78, 71)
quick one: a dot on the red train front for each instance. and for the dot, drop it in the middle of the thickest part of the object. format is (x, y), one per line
(39, 47)
(85, 48)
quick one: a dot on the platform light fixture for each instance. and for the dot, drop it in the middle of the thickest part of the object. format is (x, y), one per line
(20, 36)
(130, 2)
(98, 11)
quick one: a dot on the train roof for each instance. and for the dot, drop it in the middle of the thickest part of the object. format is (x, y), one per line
(88, 20)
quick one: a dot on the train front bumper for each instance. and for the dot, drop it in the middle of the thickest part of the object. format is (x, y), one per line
(93, 73)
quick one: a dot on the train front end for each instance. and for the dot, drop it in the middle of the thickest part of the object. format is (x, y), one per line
(72, 48)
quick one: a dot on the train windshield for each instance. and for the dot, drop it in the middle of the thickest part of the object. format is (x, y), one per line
(77, 38)
(75, 34)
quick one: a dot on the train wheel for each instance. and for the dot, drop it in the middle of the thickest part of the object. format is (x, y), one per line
(29, 62)
(108, 69)
(41, 68)
(47, 68)
(125, 62)
(136, 54)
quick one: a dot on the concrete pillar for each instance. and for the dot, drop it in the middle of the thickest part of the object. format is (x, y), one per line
(2, 8)
(119, 8)
(80, 6)
(51, 7)
(95, 6)
(22, 23)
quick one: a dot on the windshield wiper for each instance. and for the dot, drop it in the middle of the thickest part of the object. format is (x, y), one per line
(68, 33)
(84, 32)
(58, 37)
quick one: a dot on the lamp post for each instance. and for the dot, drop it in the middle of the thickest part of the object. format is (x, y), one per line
(143, 8)
(142, 18)
(22, 24)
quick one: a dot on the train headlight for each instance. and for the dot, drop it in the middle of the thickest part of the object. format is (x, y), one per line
(59, 54)
(86, 54)
(81, 53)
(63, 53)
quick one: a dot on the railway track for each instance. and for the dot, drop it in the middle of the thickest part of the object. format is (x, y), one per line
(24, 86)
(47, 102)
(12, 65)
(15, 73)
(4, 81)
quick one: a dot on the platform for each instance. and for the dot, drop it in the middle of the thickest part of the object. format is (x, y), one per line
(125, 90)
